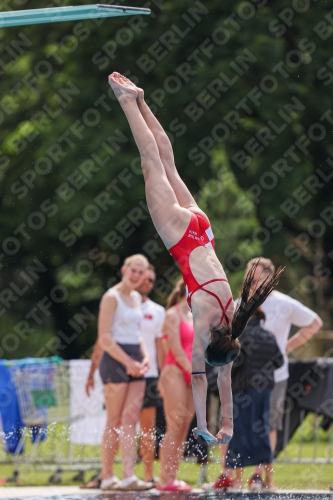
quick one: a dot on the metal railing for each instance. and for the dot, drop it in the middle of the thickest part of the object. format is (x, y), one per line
(311, 444)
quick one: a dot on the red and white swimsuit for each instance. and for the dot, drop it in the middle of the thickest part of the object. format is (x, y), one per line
(198, 234)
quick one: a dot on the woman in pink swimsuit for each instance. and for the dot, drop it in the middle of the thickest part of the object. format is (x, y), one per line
(175, 387)
(186, 233)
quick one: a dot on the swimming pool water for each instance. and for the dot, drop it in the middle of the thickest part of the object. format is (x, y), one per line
(179, 496)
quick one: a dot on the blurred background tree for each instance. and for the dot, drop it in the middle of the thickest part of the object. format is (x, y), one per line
(243, 89)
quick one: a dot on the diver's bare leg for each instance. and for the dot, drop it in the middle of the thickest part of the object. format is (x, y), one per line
(169, 218)
(184, 197)
(182, 192)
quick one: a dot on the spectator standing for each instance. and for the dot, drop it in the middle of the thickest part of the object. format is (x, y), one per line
(151, 330)
(176, 389)
(252, 383)
(123, 364)
(281, 313)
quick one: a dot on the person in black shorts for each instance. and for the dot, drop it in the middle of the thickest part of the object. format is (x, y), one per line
(151, 331)
(151, 327)
(123, 364)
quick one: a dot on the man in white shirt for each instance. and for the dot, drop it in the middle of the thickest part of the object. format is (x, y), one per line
(153, 319)
(281, 313)
(151, 331)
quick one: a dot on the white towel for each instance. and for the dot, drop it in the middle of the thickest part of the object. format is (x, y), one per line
(88, 414)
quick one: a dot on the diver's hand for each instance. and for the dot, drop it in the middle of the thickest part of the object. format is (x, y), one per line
(226, 432)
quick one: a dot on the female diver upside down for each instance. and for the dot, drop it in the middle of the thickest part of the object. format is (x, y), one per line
(186, 232)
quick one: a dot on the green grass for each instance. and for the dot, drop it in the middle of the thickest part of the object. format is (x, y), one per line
(287, 476)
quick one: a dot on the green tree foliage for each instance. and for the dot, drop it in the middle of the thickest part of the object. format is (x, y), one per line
(251, 80)
(236, 234)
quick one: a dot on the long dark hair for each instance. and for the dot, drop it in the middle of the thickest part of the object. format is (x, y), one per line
(225, 346)
(177, 294)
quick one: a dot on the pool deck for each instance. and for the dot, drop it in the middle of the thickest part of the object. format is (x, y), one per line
(41, 492)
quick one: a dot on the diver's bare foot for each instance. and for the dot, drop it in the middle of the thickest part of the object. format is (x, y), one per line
(121, 88)
(129, 84)
(141, 95)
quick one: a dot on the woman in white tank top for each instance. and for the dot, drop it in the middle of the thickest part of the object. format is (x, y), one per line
(123, 364)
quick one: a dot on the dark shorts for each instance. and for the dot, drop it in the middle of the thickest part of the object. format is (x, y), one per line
(113, 372)
(152, 397)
